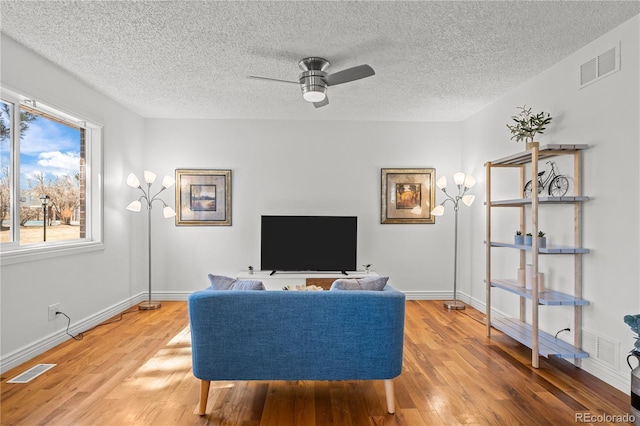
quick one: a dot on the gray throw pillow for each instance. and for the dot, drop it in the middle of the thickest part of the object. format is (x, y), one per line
(367, 283)
(220, 282)
(346, 284)
(373, 283)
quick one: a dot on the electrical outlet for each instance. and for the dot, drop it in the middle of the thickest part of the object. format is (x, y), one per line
(53, 309)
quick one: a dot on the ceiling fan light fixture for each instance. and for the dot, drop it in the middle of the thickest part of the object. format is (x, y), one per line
(314, 89)
(314, 79)
(314, 93)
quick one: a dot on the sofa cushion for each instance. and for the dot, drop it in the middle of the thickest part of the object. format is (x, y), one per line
(220, 282)
(367, 283)
(346, 284)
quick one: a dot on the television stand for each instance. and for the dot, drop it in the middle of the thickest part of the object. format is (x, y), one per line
(342, 272)
(279, 280)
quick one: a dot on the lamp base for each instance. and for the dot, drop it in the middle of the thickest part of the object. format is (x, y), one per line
(149, 305)
(454, 305)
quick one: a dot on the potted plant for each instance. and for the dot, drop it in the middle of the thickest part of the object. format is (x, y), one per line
(527, 125)
(250, 268)
(528, 238)
(367, 268)
(633, 321)
(542, 240)
(518, 239)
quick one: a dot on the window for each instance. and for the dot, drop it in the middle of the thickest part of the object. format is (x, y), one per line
(49, 180)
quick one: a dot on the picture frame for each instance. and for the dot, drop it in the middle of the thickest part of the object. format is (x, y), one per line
(203, 197)
(407, 196)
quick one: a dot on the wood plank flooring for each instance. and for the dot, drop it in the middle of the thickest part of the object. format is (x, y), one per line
(137, 371)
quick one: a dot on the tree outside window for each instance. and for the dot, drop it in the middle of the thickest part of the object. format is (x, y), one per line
(51, 153)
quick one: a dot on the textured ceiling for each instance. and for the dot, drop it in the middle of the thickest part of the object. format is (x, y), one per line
(434, 60)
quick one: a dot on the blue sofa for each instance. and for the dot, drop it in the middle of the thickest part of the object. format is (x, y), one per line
(297, 335)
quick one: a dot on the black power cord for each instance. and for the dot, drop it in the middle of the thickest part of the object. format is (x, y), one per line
(564, 329)
(80, 336)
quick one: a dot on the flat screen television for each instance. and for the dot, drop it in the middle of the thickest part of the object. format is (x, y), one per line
(308, 243)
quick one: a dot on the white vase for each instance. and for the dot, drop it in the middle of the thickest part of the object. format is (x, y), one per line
(541, 288)
(529, 279)
(521, 277)
(528, 276)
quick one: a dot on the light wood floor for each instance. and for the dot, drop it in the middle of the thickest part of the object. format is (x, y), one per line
(137, 372)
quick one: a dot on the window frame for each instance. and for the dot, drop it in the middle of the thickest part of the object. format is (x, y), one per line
(12, 252)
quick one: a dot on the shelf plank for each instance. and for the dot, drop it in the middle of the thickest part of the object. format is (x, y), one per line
(544, 151)
(549, 297)
(519, 202)
(543, 250)
(548, 344)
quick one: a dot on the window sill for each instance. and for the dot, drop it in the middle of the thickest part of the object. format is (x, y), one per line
(33, 253)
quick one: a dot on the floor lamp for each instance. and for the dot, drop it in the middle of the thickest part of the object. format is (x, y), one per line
(464, 183)
(136, 206)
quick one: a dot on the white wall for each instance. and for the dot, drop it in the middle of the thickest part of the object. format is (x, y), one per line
(304, 167)
(604, 115)
(83, 284)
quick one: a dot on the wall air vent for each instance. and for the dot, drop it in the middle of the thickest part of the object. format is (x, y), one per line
(599, 67)
(601, 349)
(31, 373)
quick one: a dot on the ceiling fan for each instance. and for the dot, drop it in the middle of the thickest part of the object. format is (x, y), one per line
(314, 79)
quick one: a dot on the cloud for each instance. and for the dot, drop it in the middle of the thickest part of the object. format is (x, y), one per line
(52, 165)
(48, 149)
(58, 163)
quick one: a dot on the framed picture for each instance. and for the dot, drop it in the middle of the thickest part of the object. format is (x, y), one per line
(203, 197)
(408, 196)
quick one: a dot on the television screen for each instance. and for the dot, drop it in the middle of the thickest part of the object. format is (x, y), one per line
(308, 243)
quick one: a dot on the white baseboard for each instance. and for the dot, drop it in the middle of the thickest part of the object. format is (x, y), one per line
(172, 296)
(25, 353)
(426, 295)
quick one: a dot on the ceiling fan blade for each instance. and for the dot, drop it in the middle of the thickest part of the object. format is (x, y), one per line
(272, 79)
(350, 74)
(322, 103)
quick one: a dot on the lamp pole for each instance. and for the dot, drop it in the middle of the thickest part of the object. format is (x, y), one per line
(455, 304)
(44, 200)
(136, 206)
(149, 304)
(464, 183)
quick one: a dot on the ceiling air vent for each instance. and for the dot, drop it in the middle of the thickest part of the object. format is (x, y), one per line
(599, 67)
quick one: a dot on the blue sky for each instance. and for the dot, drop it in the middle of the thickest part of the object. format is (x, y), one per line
(51, 148)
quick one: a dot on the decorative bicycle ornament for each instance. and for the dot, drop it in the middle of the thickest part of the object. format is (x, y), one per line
(558, 184)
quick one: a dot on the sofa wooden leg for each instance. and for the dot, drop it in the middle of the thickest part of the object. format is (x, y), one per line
(204, 395)
(391, 400)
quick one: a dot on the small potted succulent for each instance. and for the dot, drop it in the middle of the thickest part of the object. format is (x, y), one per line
(528, 239)
(542, 240)
(527, 125)
(250, 268)
(518, 239)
